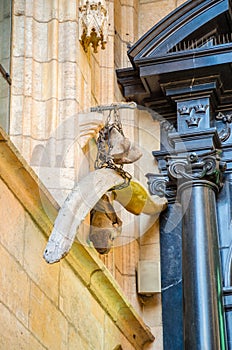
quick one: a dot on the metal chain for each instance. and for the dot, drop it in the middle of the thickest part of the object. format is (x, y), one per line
(104, 159)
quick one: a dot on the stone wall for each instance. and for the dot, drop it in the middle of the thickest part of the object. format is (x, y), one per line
(152, 11)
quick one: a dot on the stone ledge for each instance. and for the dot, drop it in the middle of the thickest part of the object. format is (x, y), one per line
(84, 260)
(86, 263)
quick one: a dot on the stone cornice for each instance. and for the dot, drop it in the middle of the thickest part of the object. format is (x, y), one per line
(34, 197)
(176, 49)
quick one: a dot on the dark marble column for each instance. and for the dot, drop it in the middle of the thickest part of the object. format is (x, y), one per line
(202, 289)
(171, 277)
(199, 179)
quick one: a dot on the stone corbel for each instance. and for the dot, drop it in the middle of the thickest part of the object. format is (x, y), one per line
(93, 24)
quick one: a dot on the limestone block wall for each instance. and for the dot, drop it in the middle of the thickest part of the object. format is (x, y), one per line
(152, 11)
(53, 78)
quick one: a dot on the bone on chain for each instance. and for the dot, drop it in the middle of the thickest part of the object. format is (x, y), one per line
(104, 159)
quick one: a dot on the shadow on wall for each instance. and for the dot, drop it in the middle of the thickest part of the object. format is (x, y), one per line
(42, 158)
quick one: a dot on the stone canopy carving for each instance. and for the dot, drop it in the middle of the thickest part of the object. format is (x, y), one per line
(93, 24)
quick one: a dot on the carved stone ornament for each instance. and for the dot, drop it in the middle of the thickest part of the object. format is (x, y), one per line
(161, 186)
(93, 24)
(166, 126)
(196, 167)
(185, 110)
(200, 108)
(225, 133)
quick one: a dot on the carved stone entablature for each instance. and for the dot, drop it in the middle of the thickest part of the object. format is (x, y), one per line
(207, 166)
(161, 185)
(226, 119)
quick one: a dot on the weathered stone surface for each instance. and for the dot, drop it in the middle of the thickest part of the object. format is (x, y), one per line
(114, 339)
(15, 287)
(89, 312)
(158, 345)
(13, 335)
(12, 223)
(151, 11)
(47, 279)
(75, 340)
(46, 321)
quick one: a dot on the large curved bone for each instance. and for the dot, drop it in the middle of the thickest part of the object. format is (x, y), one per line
(76, 207)
(84, 197)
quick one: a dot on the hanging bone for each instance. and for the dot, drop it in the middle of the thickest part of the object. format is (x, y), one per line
(122, 150)
(105, 225)
(75, 209)
(114, 149)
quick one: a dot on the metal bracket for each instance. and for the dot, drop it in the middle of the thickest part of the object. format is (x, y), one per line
(114, 106)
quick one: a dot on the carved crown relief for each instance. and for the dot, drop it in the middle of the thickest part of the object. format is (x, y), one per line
(192, 115)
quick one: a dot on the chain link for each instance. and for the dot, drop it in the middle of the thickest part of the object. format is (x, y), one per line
(104, 159)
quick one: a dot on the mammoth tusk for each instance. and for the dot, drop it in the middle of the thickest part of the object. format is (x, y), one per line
(85, 195)
(76, 207)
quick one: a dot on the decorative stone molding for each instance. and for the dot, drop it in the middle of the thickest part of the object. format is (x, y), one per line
(160, 185)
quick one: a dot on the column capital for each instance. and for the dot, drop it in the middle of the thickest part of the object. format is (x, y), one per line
(189, 169)
(192, 167)
(161, 185)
